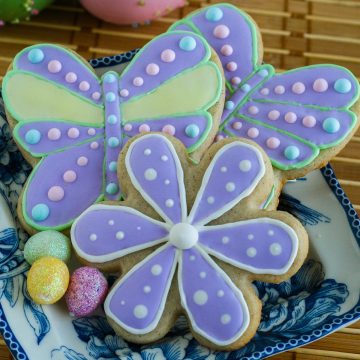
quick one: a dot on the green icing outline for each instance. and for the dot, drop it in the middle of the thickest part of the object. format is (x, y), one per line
(270, 197)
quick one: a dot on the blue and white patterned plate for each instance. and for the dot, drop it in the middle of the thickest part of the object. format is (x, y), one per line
(322, 297)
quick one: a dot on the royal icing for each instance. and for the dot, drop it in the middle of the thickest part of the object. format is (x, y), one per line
(63, 109)
(306, 108)
(216, 307)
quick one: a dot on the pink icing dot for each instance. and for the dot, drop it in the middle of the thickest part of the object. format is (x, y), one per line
(272, 143)
(144, 128)
(231, 66)
(152, 69)
(227, 50)
(82, 161)
(236, 80)
(91, 132)
(264, 91)
(290, 117)
(84, 86)
(168, 55)
(69, 176)
(298, 88)
(237, 125)
(320, 85)
(253, 133)
(96, 95)
(54, 134)
(279, 90)
(127, 127)
(73, 133)
(273, 115)
(218, 138)
(309, 121)
(221, 32)
(253, 110)
(138, 81)
(169, 129)
(70, 77)
(54, 66)
(94, 145)
(56, 193)
(124, 92)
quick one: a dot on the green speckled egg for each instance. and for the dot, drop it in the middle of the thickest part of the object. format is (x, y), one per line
(48, 243)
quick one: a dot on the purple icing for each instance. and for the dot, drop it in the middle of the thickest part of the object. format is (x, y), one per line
(69, 64)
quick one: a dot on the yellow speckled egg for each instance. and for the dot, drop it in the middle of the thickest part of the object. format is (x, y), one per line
(47, 280)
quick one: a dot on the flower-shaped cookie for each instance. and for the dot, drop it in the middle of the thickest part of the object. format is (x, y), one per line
(220, 305)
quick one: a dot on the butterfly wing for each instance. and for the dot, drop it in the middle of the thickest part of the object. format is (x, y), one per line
(170, 82)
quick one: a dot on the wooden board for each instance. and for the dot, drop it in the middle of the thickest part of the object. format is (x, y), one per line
(295, 33)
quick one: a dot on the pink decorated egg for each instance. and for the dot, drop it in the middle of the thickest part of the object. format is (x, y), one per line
(87, 290)
(125, 12)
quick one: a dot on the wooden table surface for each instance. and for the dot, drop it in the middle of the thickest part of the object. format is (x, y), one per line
(295, 33)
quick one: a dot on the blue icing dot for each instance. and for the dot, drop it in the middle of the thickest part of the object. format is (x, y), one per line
(112, 188)
(342, 86)
(110, 97)
(192, 131)
(246, 88)
(33, 136)
(36, 56)
(40, 212)
(292, 152)
(229, 105)
(331, 125)
(187, 43)
(113, 166)
(113, 141)
(214, 14)
(263, 73)
(112, 119)
(109, 78)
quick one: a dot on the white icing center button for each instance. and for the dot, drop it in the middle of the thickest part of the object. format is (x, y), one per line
(183, 236)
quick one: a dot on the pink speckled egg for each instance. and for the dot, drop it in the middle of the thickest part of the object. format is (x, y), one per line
(87, 290)
(130, 11)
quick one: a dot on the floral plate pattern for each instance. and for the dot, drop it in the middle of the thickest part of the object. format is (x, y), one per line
(322, 297)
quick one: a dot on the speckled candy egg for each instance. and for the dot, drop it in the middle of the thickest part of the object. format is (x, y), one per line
(47, 280)
(48, 243)
(87, 290)
(130, 11)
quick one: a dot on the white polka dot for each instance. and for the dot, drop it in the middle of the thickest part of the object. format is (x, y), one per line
(122, 302)
(225, 240)
(147, 289)
(164, 158)
(223, 169)
(275, 249)
(225, 319)
(169, 203)
(156, 269)
(270, 232)
(210, 200)
(167, 182)
(245, 165)
(120, 235)
(200, 297)
(150, 174)
(111, 222)
(147, 152)
(192, 257)
(203, 274)
(138, 228)
(251, 237)
(230, 187)
(140, 311)
(93, 237)
(220, 293)
(251, 252)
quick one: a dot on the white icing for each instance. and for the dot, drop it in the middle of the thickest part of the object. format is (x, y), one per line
(147, 152)
(251, 252)
(147, 289)
(150, 174)
(225, 240)
(111, 222)
(200, 297)
(167, 182)
(93, 237)
(230, 187)
(210, 200)
(245, 165)
(183, 236)
(140, 311)
(275, 249)
(192, 257)
(156, 269)
(225, 319)
(271, 232)
(223, 169)
(203, 274)
(164, 158)
(169, 203)
(250, 237)
(120, 235)
(220, 293)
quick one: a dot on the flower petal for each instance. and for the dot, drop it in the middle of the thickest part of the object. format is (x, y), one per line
(215, 306)
(137, 301)
(156, 172)
(232, 175)
(261, 246)
(106, 232)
